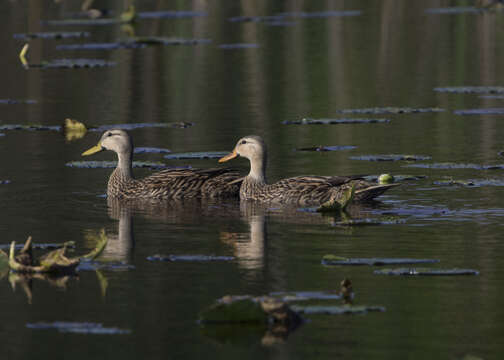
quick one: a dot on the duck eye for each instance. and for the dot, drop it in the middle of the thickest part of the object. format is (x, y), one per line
(243, 142)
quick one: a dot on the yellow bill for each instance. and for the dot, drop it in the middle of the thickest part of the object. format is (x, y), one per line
(94, 149)
(229, 156)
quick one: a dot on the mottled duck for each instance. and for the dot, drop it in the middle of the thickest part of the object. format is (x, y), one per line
(165, 184)
(300, 190)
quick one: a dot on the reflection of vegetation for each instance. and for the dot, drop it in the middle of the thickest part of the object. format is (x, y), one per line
(25, 282)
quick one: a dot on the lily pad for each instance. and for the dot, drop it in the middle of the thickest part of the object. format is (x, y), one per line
(170, 14)
(195, 258)
(197, 155)
(52, 35)
(113, 164)
(391, 157)
(426, 272)
(471, 89)
(338, 260)
(15, 102)
(238, 46)
(309, 121)
(322, 14)
(454, 10)
(78, 328)
(389, 110)
(336, 310)
(450, 166)
(292, 296)
(487, 111)
(328, 148)
(150, 150)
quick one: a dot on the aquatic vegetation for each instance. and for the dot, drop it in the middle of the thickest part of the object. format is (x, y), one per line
(89, 328)
(53, 35)
(390, 110)
(195, 258)
(338, 260)
(113, 164)
(391, 157)
(450, 165)
(309, 121)
(487, 111)
(238, 46)
(322, 148)
(386, 179)
(336, 310)
(471, 89)
(15, 102)
(196, 155)
(426, 272)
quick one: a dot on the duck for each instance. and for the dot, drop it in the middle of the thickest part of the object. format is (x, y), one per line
(309, 190)
(165, 184)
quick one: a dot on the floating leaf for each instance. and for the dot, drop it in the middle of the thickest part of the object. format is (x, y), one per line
(150, 150)
(337, 260)
(391, 157)
(197, 155)
(52, 35)
(487, 111)
(113, 164)
(290, 296)
(14, 102)
(336, 310)
(238, 46)
(426, 272)
(170, 14)
(196, 258)
(454, 10)
(450, 166)
(309, 121)
(389, 110)
(78, 328)
(322, 14)
(328, 148)
(471, 89)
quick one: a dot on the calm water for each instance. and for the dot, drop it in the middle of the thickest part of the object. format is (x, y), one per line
(393, 54)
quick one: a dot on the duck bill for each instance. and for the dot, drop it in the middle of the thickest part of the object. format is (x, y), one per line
(229, 156)
(93, 150)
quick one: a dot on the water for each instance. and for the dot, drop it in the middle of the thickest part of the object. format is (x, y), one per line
(394, 54)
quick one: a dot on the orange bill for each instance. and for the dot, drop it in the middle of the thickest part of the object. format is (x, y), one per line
(229, 156)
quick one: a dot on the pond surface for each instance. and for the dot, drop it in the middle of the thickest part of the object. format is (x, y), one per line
(389, 53)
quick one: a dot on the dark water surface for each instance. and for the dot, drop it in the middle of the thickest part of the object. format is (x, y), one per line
(391, 55)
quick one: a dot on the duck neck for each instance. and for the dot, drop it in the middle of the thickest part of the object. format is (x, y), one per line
(124, 165)
(258, 170)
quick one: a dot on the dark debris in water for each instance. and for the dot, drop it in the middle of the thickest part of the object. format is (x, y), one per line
(134, 43)
(170, 14)
(133, 126)
(73, 64)
(83, 22)
(487, 111)
(426, 272)
(238, 46)
(196, 155)
(150, 150)
(5, 182)
(338, 260)
(390, 110)
(328, 148)
(450, 166)
(47, 246)
(269, 18)
(190, 258)
(336, 309)
(8, 127)
(391, 157)
(88, 328)
(113, 164)
(309, 121)
(321, 14)
(52, 35)
(471, 89)
(15, 102)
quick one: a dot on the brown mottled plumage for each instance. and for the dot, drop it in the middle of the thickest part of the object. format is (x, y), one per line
(301, 190)
(165, 184)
